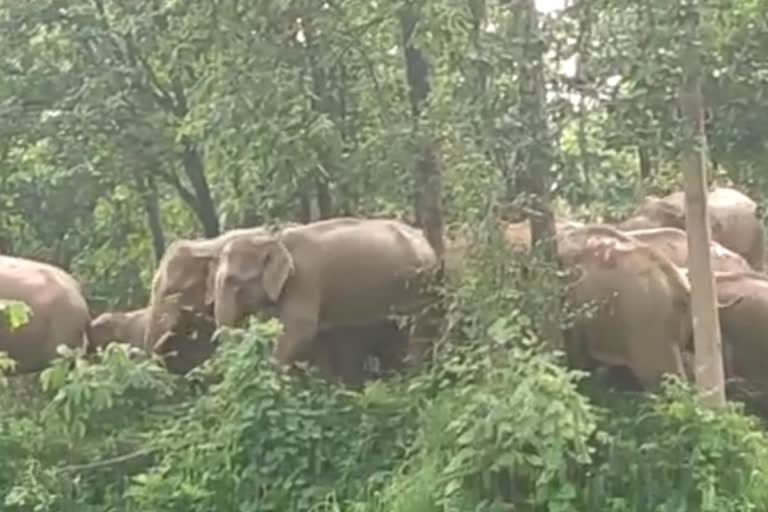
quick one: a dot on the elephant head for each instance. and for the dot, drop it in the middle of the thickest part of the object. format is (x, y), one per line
(251, 275)
(185, 277)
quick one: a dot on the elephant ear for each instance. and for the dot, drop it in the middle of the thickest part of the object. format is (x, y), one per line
(278, 267)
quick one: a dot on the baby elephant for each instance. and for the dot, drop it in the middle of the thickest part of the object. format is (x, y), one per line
(125, 326)
(183, 348)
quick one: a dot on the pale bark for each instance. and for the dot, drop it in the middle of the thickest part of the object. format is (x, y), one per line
(706, 321)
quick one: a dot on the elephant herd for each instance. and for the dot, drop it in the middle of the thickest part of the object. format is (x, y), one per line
(635, 272)
(335, 284)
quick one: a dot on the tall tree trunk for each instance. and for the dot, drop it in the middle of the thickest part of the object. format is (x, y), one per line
(321, 104)
(324, 198)
(427, 172)
(706, 321)
(540, 158)
(194, 169)
(147, 187)
(644, 159)
(582, 59)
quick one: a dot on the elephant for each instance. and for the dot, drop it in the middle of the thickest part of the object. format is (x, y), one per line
(187, 344)
(743, 309)
(183, 278)
(673, 243)
(643, 317)
(59, 313)
(733, 220)
(518, 234)
(125, 326)
(342, 271)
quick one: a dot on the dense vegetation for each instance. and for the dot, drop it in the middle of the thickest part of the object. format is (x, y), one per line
(127, 125)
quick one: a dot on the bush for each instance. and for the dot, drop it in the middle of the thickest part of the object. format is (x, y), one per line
(263, 440)
(667, 452)
(495, 425)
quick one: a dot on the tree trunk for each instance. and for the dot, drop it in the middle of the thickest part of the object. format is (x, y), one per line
(324, 198)
(194, 169)
(706, 321)
(582, 59)
(645, 161)
(540, 158)
(321, 104)
(149, 196)
(427, 172)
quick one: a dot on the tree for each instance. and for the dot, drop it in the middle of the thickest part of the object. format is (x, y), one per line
(538, 160)
(428, 178)
(706, 322)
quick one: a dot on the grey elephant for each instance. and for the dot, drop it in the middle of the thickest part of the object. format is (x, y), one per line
(326, 274)
(643, 317)
(518, 234)
(673, 243)
(59, 312)
(743, 311)
(124, 326)
(733, 220)
(187, 344)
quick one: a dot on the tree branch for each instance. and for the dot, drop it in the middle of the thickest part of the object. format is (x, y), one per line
(108, 462)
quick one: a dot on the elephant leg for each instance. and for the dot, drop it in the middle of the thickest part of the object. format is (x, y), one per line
(649, 366)
(300, 329)
(389, 344)
(322, 357)
(349, 362)
(576, 349)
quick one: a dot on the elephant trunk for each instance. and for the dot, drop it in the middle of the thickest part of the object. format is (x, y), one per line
(225, 309)
(163, 315)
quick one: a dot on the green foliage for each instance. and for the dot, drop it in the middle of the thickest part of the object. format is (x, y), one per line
(667, 452)
(126, 126)
(261, 440)
(14, 313)
(518, 435)
(495, 425)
